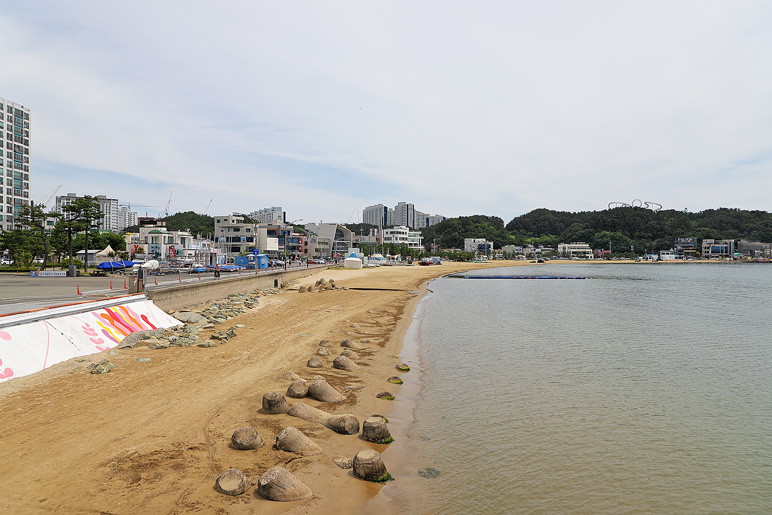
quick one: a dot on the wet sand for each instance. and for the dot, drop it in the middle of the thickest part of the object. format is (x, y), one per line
(153, 437)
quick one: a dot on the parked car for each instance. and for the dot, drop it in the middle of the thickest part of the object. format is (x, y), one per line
(276, 262)
(316, 261)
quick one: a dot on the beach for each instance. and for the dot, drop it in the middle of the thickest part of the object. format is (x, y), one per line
(152, 437)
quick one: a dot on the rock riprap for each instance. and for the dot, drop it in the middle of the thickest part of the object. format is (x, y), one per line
(322, 391)
(278, 484)
(274, 403)
(291, 439)
(375, 430)
(385, 395)
(395, 380)
(232, 482)
(369, 466)
(314, 362)
(246, 438)
(344, 424)
(323, 351)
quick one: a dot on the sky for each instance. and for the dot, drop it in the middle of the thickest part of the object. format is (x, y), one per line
(461, 108)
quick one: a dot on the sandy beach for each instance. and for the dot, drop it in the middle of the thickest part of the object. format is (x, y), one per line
(152, 437)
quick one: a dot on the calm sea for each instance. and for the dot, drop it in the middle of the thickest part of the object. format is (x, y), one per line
(643, 389)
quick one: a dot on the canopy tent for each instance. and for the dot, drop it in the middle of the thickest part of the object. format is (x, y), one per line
(352, 261)
(105, 255)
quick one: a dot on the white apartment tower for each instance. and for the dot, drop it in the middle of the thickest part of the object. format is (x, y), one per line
(108, 206)
(404, 214)
(377, 215)
(126, 218)
(14, 161)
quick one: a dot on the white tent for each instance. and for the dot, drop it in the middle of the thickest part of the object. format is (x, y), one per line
(108, 254)
(352, 261)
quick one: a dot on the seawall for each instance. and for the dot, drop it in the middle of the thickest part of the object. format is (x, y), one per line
(183, 295)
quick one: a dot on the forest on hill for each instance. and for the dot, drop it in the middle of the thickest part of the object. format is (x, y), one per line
(623, 227)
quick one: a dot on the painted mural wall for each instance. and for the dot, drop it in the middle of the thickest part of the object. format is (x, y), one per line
(29, 348)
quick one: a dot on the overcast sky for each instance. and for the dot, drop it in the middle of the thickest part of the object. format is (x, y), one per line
(462, 108)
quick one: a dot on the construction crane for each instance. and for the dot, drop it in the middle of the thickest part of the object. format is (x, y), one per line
(129, 204)
(207, 206)
(52, 196)
(166, 211)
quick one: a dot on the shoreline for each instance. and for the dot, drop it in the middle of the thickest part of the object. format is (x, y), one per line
(154, 436)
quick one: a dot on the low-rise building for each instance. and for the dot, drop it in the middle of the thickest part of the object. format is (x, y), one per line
(754, 249)
(717, 249)
(685, 247)
(328, 240)
(479, 245)
(403, 235)
(578, 249)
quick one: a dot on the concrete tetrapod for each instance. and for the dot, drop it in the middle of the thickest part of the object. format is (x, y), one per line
(323, 392)
(246, 439)
(274, 403)
(369, 466)
(349, 344)
(232, 482)
(298, 389)
(344, 363)
(350, 354)
(291, 439)
(278, 484)
(374, 429)
(343, 424)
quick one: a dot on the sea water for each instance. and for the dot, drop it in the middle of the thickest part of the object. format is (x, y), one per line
(646, 388)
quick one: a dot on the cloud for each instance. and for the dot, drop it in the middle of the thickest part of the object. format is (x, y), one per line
(496, 108)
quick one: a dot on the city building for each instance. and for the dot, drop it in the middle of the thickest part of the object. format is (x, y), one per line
(108, 207)
(404, 213)
(126, 218)
(377, 215)
(14, 161)
(402, 235)
(232, 235)
(269, 215)
(685, 247)
(434, 220)
(577, 249)
(480, 245)
(754, 249)
(328, 240)
(715, 249)
(155, 241)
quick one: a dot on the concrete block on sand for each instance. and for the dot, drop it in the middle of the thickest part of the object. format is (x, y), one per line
(278, 484)
(232, 482)
(291, 439)
(246, 438)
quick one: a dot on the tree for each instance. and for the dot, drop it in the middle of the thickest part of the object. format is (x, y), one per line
(33, 217)
(80, 216)
(19, 245)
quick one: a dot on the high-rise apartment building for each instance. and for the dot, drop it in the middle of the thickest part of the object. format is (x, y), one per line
(108, 206)
(14, 161)
(268, 215)
(377, 215)
(126, 218)
(404, 213)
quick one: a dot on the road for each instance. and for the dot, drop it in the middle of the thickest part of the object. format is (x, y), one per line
(23, 293)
